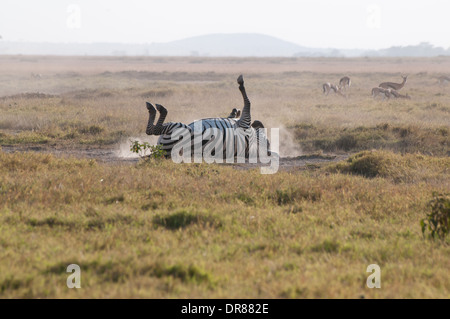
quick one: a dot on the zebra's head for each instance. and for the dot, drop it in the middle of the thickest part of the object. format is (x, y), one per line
(235, 113)
(265, 154)
(261, 137)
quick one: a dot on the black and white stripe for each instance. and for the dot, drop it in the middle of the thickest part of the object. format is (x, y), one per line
(239, 136)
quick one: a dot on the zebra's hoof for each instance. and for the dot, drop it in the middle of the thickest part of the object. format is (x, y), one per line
(161, 109)
(150, 107)
(240, 80)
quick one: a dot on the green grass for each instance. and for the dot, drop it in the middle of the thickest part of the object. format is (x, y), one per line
(411, 168)
(164, 230)
(398, 138)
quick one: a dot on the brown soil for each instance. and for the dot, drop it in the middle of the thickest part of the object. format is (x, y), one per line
(112, 156)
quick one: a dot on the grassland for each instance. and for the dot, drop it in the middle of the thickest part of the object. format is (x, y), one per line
(94, 101)
(163, 230)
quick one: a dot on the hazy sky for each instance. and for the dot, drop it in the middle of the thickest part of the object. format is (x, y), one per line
(324, 23)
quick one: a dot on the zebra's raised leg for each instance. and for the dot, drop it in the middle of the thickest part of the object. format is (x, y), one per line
(246, 118)
(152, 111)
(157, 130)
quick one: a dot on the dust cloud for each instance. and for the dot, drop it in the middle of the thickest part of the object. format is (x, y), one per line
(288, 146)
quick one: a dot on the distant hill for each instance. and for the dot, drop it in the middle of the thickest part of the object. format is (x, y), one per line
(229, 45)
(208, 45)
(233, 45)
(423, 49)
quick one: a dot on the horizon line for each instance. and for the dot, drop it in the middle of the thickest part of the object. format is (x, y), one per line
(3, 40)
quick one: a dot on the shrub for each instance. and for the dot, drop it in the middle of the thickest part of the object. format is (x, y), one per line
(346, 142)
(183, 219)
(292, 195)
(155, 151)
(185, 273)
(437, 221)
(372, 164)
(92, 130)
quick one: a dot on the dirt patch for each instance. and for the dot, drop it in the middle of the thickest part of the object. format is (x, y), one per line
(102, 155)
(114, 156)
(302, 162)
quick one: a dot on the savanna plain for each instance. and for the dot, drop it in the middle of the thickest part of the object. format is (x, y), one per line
(356, 178)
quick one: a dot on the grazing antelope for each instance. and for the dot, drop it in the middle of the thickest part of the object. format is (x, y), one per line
(345, 82)
(328, 87)
(389, 93)
(36, 76)
(397, 95)
(394, 86)
(443, 80)
(385, 93)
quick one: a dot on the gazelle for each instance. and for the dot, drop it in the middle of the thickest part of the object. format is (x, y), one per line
(36, 76)
(442, 80)
(394, 86)
(345, 82)
(385, 93)
(328, 87)
(389, 93)
(397, 95)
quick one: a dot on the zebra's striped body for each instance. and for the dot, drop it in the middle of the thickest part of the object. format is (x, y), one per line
(235, 141)
(239, 137)
(167, 142)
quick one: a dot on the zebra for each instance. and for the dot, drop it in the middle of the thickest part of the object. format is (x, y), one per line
(242, 137)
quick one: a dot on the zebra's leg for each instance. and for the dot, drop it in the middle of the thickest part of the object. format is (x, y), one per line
(157, 130)
(152, 111)
(246, 118)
